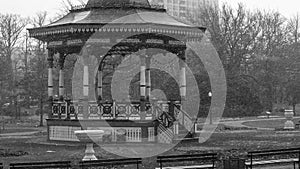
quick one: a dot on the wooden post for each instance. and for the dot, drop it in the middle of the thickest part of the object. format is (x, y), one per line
(86, 92)
(61, 76)
(50, 81)
(143, 78)
(182, 76)
(172, 109)
(148, 78)
(143, 87)
(100, 84)
(145, 134)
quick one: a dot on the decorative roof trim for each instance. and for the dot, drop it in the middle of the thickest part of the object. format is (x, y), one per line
(134, 41)
(193, 32)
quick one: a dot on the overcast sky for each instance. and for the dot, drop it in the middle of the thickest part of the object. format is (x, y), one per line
(286, 7)
(30, 7)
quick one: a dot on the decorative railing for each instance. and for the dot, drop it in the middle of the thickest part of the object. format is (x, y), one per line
(157, 6)
(169, 116)
(77, 7)
(102, 111)
(166, 122)
(165, 112)
(134, 135)
(163, 115)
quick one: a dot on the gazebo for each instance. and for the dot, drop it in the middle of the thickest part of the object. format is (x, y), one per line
(116, 28)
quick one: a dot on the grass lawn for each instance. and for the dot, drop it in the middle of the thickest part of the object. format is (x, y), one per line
(20, 127)
(274, 123)
(16, 130)
(227, 144)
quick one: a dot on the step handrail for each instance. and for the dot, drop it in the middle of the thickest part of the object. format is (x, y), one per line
(184, 112)
(190, 126)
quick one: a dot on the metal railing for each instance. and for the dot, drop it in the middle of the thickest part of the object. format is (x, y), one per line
(184, 119)
(101, 111)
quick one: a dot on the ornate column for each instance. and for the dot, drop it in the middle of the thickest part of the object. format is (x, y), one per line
(143, 78)
(143, 87)
(100, 84)
(61, 76)
(50, 81)
(86, 81)
(182, 75)
(86, 91)
(148, 78)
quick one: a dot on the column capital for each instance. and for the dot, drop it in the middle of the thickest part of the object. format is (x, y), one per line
(148, 62)
(61, 61)
(151, 52)
(100, 85)
(143, 60)
(50, 58)
(181, 54)
(182, 63)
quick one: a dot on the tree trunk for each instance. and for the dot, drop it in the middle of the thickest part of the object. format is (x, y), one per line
(41, 111)
(16, 108)
(294, 109)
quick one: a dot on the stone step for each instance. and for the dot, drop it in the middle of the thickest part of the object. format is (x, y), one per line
(184, 135)
(183, 131)
(185, 140)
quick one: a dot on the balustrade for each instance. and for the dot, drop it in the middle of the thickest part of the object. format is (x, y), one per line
(59, 110)
(163, 114)
(73, 110)
(167, 113)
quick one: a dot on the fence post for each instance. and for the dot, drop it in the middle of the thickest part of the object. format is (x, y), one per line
(160, 164)
(251, 161)
(234, 163)
(299, 159)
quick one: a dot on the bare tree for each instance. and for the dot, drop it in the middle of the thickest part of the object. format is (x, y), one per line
(66, 6)
(293, 63)
(233, 32)
(270, 54)
(293, 26)
(39, 66)
(11, 27)
(251, 45)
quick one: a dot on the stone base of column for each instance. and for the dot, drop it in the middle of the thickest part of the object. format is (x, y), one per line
(143, 108)
(50, 102)
(183, 98)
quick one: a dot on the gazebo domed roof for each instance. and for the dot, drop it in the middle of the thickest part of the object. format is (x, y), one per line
(116, 15)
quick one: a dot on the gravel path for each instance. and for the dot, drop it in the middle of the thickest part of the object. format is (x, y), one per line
(239, 123)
